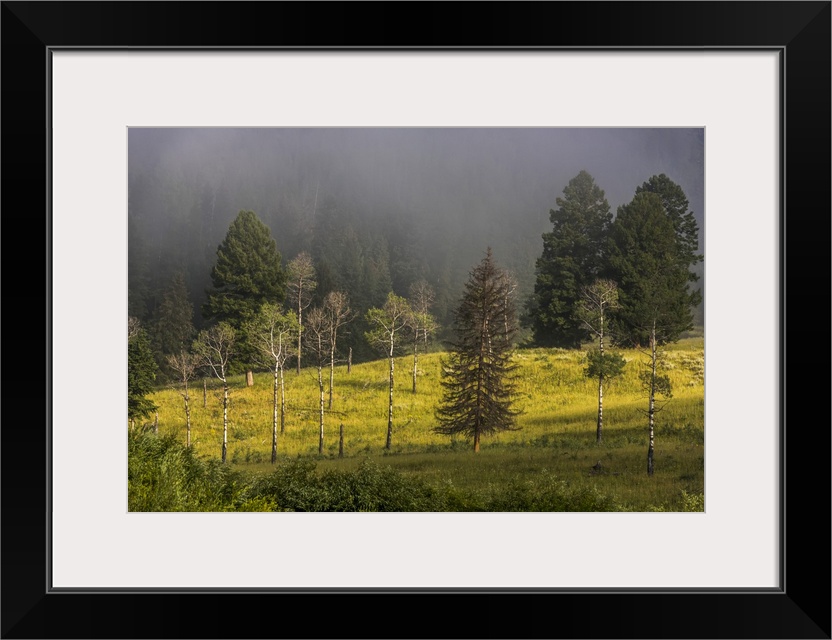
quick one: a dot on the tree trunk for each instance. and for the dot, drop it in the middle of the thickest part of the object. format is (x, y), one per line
(415, 360)
(204, 393)
(652, 409)
(274, 416)
(600, 386)
(600, 426)
(321, 432)
(476, 441)
(249, 379)
(156, 423)
(390, 406)
(282, 402)
(349, 362)
(224, 420)
(341, 442)
(331, 375)
(187, 418)
(300, 326)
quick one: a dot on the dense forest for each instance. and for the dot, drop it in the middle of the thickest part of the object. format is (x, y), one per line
(378, 210)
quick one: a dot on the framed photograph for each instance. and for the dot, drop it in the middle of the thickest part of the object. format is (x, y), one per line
(752, 78)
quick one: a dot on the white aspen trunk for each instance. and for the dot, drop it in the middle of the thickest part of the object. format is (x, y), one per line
(349, 362)
(156, 423)
(415, 360)
(321, 431)
(249, 378)
(224, 419)
(652, 409)
(598, 432)
(274, 414)
(187, 417)
(282, 402)
(390, 402)
(300, 323)
(331, 373)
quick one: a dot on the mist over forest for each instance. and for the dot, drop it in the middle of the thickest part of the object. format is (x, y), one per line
(378, 209)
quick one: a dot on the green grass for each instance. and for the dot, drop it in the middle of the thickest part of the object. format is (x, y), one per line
(552, 452)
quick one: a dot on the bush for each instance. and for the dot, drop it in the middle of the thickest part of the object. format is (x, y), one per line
(164, 475)
(296, 486)
(548, 493)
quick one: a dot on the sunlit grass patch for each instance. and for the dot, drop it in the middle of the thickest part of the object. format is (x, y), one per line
(555, 439)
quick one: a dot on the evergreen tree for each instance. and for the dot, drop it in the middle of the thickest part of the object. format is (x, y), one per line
(571, 260)
(477, 376)
(644, 258)
(247, 273)
(141, 372)
(675, 204)
(173, 331)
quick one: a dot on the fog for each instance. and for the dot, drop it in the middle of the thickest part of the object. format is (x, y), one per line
(428, 201)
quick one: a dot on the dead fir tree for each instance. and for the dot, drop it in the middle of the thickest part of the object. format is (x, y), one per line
(273, 334)
(215, 347)
(301, 286)
(387, 327)
(338, 313)
(184, 364)
(477, 376)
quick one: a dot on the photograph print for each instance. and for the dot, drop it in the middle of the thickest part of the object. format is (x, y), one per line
(416, 320)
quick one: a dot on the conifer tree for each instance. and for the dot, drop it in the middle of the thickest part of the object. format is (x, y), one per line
(247, 273)
(141, 372)
(173, 331)
(477, 375)
(571, 260)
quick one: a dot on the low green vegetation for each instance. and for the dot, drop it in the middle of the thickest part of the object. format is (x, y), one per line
(551, 463)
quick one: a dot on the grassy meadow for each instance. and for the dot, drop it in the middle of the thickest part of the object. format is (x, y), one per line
(546, 464)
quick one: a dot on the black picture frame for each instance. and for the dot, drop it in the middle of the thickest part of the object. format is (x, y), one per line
(800, 608)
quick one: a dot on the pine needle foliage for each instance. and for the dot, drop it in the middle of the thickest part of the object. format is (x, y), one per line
(477, 379)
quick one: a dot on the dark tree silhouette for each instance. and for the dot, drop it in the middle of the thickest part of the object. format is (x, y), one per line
(477, 375)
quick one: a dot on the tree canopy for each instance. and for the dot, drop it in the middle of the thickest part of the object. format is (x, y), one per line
(571, 260)
(141, 373)
(246, 274)
(644, 258)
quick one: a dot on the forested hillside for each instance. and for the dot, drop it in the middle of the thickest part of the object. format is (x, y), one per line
(378, 210)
